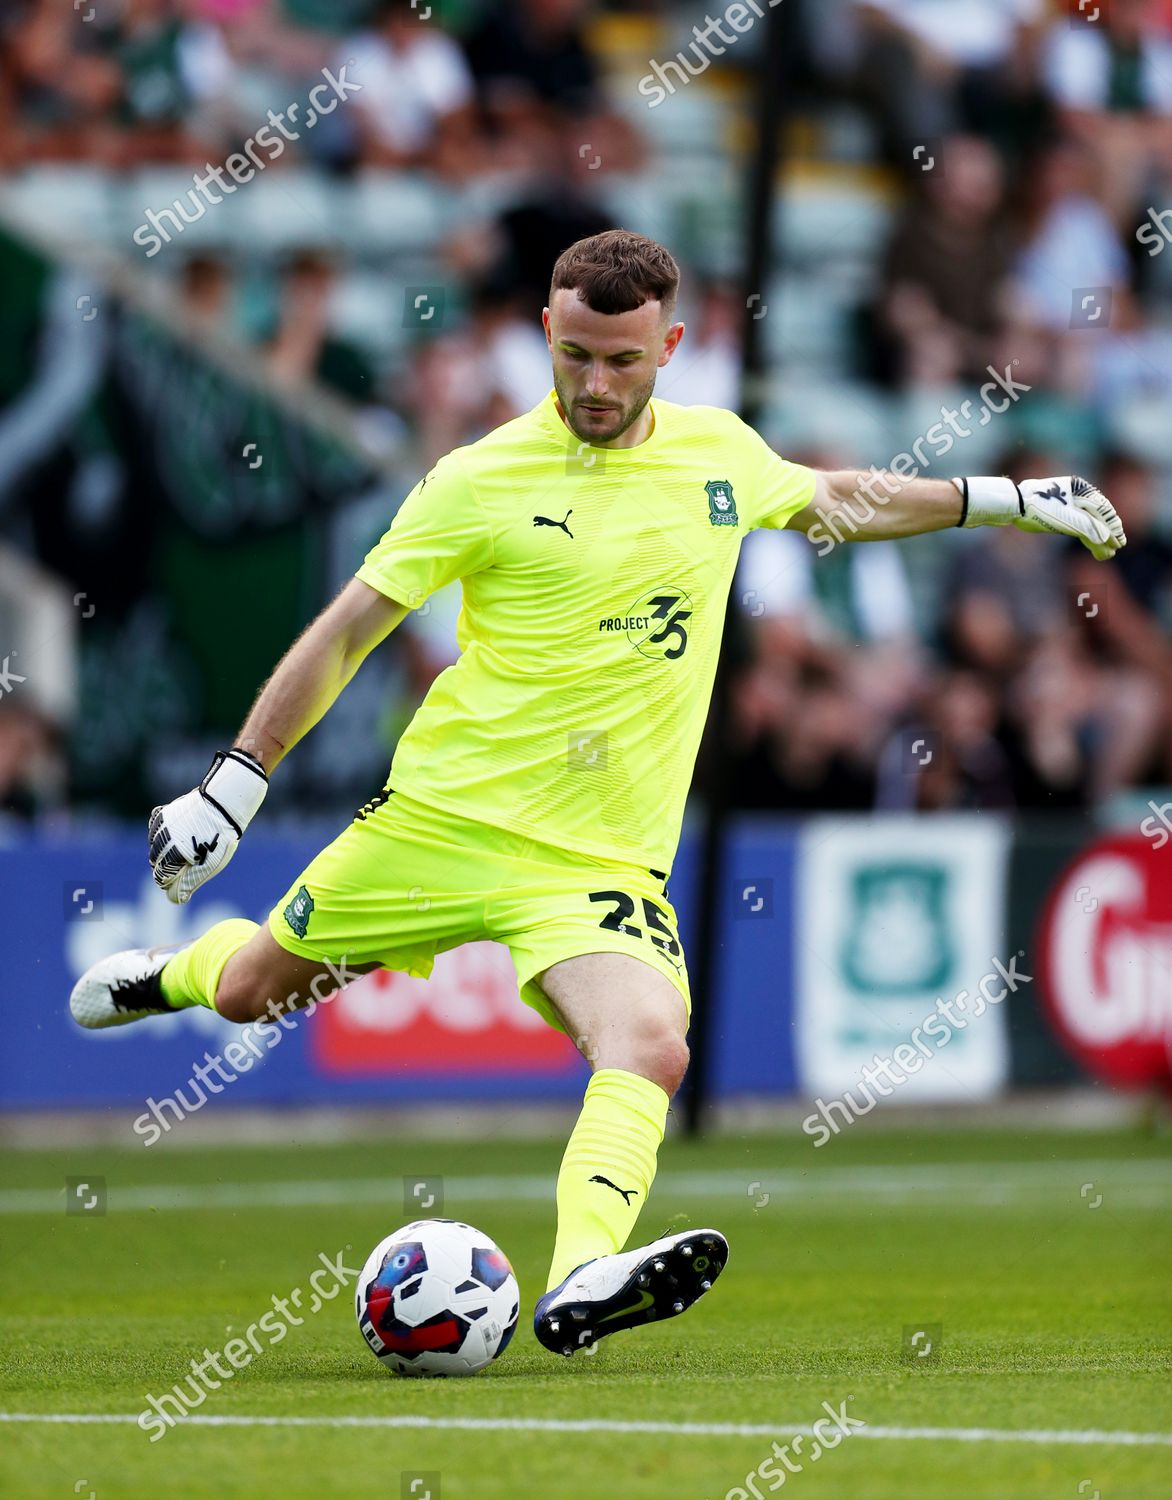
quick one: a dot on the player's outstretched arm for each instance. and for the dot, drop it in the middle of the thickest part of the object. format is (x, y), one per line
(194, 837)
(853, 506)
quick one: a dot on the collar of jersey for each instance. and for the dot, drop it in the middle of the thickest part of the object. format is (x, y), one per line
(548, 413)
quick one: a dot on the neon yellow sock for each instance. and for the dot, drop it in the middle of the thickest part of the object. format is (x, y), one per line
(616, 1139)
(192, 976)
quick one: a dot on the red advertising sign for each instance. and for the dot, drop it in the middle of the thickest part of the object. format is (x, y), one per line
(1105, 960)
(467, 1017)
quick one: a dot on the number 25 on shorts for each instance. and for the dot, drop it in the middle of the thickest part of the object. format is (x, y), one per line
(617, 920)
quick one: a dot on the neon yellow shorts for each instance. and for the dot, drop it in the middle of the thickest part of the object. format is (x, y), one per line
(405, 881)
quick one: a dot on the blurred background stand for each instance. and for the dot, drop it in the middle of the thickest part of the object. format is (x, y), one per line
(38, 688)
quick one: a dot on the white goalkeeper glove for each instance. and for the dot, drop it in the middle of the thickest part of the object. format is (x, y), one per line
(1069, 506)
(195, 836)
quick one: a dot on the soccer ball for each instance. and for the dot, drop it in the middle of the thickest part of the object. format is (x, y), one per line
(437, 1297)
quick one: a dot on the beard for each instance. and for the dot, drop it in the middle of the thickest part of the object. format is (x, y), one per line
(619, 420)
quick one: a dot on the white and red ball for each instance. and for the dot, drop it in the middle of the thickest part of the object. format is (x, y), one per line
(437, 1297)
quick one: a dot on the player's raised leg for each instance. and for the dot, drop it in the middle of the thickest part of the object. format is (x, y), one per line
(235, 968)
(141, 982)
(263, 975)
(631, 1023)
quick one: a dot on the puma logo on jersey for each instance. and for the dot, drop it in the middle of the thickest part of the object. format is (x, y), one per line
(628, 1193)
(561, 525)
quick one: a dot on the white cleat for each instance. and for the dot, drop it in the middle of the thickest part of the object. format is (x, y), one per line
(614, 1292)
(122, 988)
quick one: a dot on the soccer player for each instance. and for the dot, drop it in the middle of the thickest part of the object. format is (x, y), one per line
(536, 799)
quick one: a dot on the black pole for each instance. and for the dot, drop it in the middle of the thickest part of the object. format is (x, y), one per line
(774, 90)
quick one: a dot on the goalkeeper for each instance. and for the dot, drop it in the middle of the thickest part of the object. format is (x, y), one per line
(537, 796)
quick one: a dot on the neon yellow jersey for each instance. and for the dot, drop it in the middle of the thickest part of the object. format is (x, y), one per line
(595, 582)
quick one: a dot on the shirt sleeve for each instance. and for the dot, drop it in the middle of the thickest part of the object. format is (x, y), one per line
(440, 533)
(783, 489)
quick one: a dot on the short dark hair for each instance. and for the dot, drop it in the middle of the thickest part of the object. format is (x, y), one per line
(617, 271)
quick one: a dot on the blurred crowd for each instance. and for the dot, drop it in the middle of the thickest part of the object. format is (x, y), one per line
(1027, 147)
(447, 86)
(1046, 683)
(1033, 147)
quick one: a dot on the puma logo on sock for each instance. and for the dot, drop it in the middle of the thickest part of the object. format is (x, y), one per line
(628, 1193)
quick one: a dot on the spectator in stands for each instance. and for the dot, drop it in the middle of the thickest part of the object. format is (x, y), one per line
(1123, 622)
(442, 396)
(39, 627)
(170, 65)
(126, 87)
(849, 613)
(244, 56)
(1048, 727)
(205, 290)
(1070, 249)
(1001, 595)
(944, 269)
(1109, 73)
(63, 81)
(706, 371)
(832, 663)
(558, 202)
(415, 108)
(1006, 618)
(800, 739)
(932, 68)
(535, 69)
(514, 356)
(535, 50)
(304, 346)
(947, 757)
(31, 764)
(1125, 372)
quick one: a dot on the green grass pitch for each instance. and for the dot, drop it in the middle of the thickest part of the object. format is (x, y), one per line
(1044, 1258)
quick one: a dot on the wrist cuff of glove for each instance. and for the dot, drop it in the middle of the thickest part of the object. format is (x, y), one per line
(989, 501)
(235, 786)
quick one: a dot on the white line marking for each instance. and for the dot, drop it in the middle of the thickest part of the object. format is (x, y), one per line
(682, 1429)
(1143, 1183)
